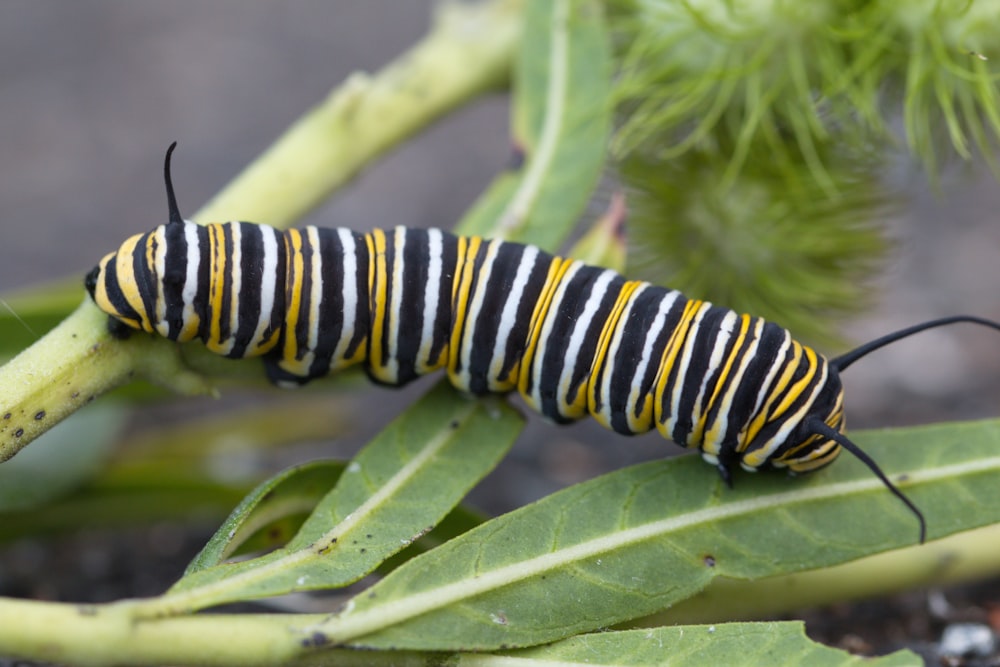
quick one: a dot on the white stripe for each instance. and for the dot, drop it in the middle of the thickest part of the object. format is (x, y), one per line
(576, 340)
(268, 279)
(684, 359)
(655, 329)
(191, 279)
(234, 265)
(475, 305)
(390, 371)
(508, 318)
(724, 420)
(776, 367)
(726, 327)
(432, 289)
(535, 400)
(788, 424)
(160, 270)
(349, 267)
(609, 358)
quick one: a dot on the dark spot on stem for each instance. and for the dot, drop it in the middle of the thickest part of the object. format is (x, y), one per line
(40, 415)
(316, 640)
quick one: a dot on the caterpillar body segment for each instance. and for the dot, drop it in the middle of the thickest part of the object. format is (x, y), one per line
(573, 339)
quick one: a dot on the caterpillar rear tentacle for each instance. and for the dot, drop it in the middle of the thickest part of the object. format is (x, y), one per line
(497, 316)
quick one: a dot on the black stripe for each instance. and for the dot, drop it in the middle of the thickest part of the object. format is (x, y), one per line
(708, 333)
(114, 291)
(227, 305)
(629, 354)
(459, 336)
(331, 309)
(145, 280)
(518, 341)
(575, 297)
(443, 319)
(362, 321)
(251, 285)
(486, 327)
(415, 258)
(202, 303)
(173, 279)
(390, 262)
(733, 416)
(303, 284)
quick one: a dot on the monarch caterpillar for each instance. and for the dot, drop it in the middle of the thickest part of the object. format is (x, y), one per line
(572, 339)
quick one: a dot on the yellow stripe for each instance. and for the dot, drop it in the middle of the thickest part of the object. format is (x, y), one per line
(468, 248)
(697, 433)
(600, 357)
(723, 420)
(378, 274)
(799, 387)
(295, 266)
(823, 454)
(217, 275)
(667, 361)
(557, 269)
(127, 282)
(763, 414)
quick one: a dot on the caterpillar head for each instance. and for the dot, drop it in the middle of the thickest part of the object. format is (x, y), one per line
(130, 283)
(820, 434)
(115, 286)
(803, 430)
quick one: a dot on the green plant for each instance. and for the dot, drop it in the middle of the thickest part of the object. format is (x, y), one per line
(621, 547)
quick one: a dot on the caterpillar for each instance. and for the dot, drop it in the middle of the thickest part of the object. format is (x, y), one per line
(572, 339)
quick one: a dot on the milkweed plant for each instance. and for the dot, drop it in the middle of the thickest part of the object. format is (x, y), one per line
(743, 142)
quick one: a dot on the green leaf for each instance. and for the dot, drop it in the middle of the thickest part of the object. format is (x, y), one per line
(27, 314)
(460, 520)
(561, 125)
(395, 490)
(63, 459)
(745, 644)
(643, 538)
(292, 492)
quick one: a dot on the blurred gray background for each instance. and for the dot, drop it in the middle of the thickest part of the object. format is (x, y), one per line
(92, 93)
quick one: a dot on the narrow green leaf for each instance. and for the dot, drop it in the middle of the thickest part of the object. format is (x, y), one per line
(395, 490)
(63, 459)
(561, 124)
(291, 492)
(643, 538)
(460, 520)
(27, 314)
(745, 644)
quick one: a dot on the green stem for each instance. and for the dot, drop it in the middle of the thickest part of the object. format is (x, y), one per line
(469, 50)
(70, 366)
(108, 634)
